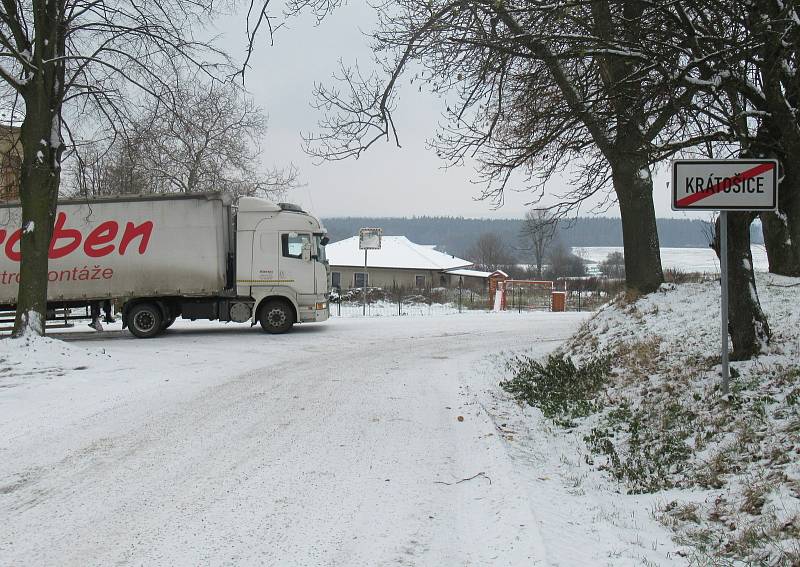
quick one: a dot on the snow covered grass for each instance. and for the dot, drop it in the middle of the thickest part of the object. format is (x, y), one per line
(728, 468)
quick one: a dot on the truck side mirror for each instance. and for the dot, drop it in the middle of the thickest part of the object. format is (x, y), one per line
(307, 251)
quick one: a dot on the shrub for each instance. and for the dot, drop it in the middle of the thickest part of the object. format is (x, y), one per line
(561, 390)
(646, 446)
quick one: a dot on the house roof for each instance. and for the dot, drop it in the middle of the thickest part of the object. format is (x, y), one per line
(469, 273)
(396, 252)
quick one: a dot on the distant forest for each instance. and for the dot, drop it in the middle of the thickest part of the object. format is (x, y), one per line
(456, 235)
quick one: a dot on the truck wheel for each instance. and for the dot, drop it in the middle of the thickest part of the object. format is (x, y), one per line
(276, 316)
(145, 320)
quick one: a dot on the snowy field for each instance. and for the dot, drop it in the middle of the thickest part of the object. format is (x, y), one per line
(701, 260)
(352, 442)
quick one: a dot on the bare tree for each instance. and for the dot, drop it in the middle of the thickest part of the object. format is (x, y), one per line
(774, 55)
(210, 141)
(490, 253)
(533, 89)
(613, 266)
(563, 263)
(108, 167)
(747, 56)
(754, 78)
(79, 59)
(538, 230)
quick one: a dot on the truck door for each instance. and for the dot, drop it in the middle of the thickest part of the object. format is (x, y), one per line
(321, 268)
(296, 265)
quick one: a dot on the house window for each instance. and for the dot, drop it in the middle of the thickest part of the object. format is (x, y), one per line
(420, 281)
(336, 279)
(292, 244)
(360, 279)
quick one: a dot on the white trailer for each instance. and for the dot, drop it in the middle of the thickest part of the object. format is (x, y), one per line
(197, 256)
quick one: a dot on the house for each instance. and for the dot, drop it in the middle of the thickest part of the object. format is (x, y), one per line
(399, 263)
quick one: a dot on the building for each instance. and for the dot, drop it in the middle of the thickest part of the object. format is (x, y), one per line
(399, 263)
(10, 162)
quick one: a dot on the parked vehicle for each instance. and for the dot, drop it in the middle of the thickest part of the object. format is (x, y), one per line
(197, 256)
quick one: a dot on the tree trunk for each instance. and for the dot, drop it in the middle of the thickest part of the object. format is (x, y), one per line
(789, 208)
(634, 191)
(780, 228)
(783, 247)
(778, 242)
(39, 182)
(42, 146)
(782, 127)
(747, 323)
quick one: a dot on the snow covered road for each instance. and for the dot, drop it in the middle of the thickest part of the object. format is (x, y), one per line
(337, 444)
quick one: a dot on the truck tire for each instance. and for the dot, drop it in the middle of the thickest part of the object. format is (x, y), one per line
(145, 320)
(276, 316)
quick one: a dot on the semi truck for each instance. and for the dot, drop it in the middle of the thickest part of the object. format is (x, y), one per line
(195, 256)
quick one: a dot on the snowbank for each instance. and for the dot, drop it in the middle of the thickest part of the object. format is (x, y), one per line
(31, 358)
(729, 467)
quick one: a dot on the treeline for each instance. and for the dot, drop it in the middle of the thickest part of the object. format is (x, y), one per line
(457, 235)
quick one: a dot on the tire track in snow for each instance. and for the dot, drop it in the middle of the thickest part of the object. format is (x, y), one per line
(286, 466)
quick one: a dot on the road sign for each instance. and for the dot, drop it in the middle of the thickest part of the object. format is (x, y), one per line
(725, 185)
(370, 238)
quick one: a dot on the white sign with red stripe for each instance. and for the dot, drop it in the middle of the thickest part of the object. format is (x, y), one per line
(725, 185)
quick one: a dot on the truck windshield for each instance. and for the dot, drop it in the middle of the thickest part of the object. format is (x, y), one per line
(318, 238)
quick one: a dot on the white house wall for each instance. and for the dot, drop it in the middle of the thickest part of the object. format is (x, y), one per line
(394, 277)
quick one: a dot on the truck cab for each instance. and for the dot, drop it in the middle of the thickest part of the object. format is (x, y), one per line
(280, 263)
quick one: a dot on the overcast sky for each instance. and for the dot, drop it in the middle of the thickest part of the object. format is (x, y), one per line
(387, 180)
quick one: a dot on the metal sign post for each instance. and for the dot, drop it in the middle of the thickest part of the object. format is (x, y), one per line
(364, 302)
(724, 185)
(723, 267)
(368, 239)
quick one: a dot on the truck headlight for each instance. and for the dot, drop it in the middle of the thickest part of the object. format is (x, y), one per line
(321, 305)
